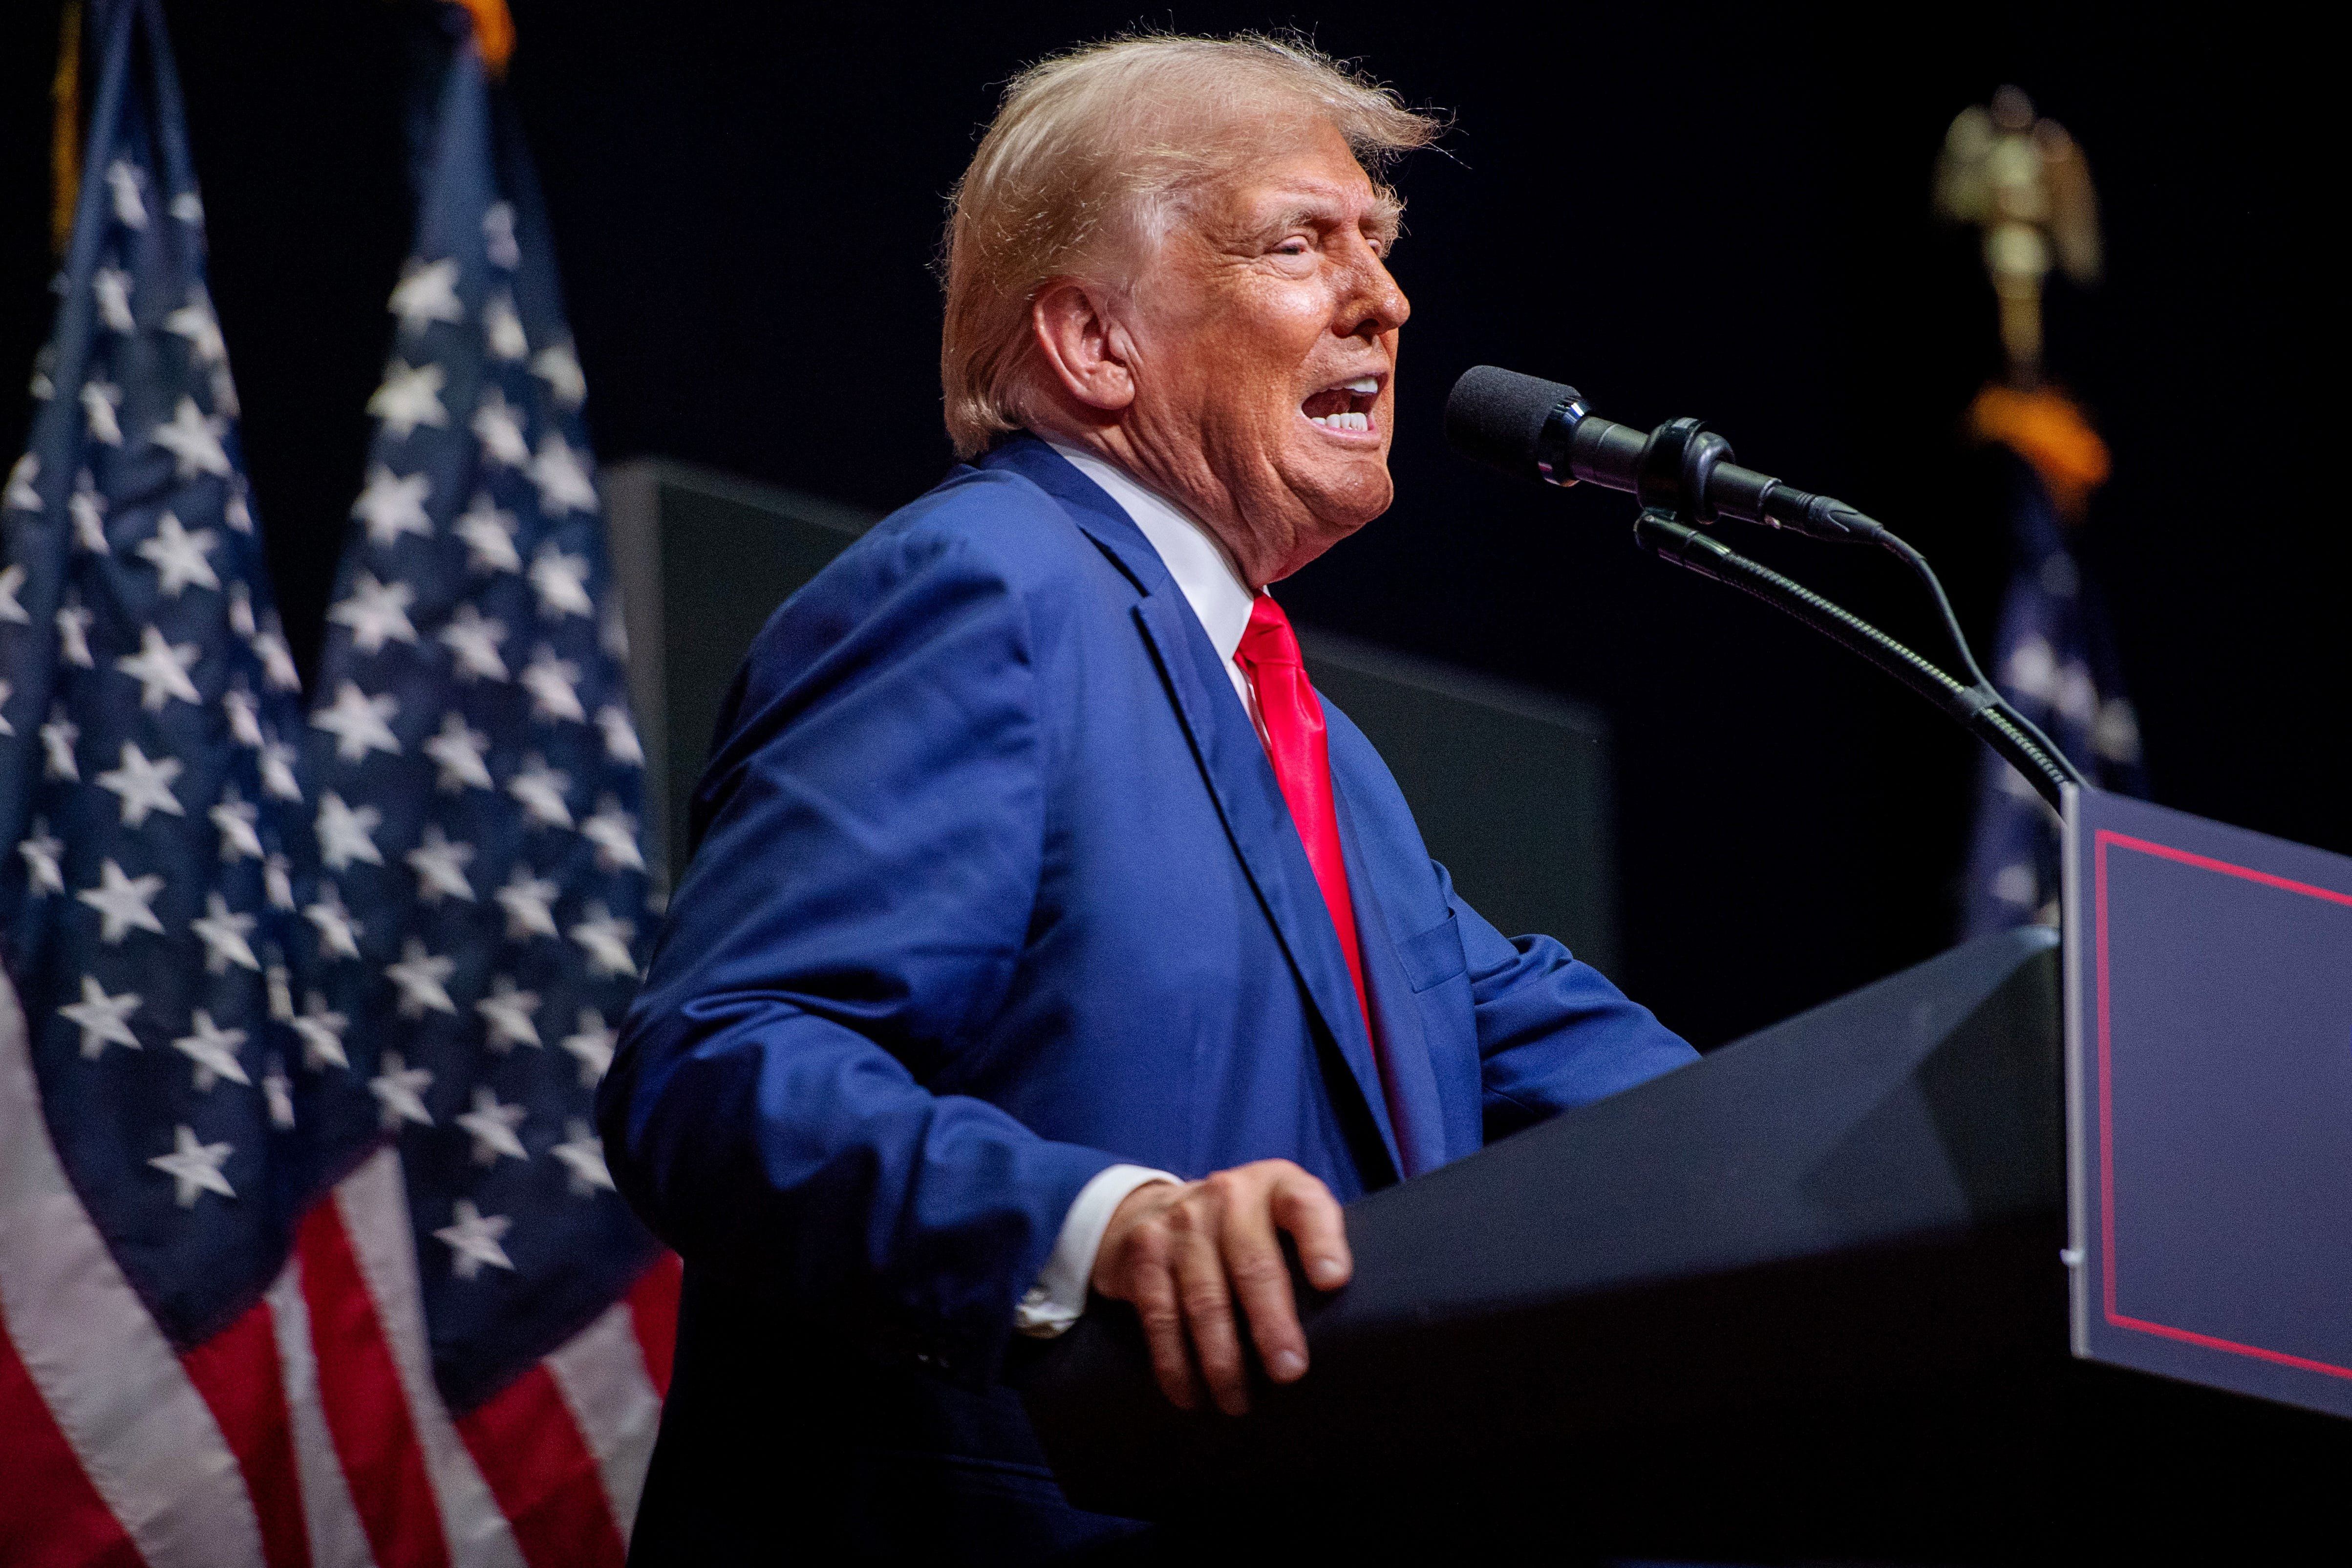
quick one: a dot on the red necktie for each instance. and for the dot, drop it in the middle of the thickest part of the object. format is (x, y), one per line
(1296, 744)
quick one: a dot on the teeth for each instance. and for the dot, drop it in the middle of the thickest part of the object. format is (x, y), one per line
(1341, 421)
(1365, 385)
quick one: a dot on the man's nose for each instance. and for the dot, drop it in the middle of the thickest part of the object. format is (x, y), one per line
(1375, 304)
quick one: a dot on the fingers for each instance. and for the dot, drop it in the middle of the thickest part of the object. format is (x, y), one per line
(1196, 1227)
(1195, 1261)
(1135, 1265)
(1261, 1278)
(1305, 1208)
(1157, 1308)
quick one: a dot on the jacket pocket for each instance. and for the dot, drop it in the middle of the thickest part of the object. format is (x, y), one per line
(1435, 956)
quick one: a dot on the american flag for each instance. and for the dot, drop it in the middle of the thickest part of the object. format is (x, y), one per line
(2054, 658)
(308, 1254)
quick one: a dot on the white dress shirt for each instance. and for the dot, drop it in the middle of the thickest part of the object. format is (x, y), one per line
(1214, 587)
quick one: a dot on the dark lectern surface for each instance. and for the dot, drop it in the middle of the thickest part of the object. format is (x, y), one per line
(1803, 1296)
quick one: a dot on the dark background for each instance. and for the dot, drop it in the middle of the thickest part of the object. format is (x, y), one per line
(1721, 211)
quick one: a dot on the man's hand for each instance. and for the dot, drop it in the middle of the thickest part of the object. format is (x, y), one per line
(1181, 1255)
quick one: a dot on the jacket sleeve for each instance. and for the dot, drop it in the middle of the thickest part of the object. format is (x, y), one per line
(1553, 1033)
(872, 840)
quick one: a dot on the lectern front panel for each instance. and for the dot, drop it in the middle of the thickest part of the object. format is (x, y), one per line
(2209, 1105)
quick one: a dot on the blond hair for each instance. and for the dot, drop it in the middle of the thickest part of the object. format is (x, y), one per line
(1093, 152)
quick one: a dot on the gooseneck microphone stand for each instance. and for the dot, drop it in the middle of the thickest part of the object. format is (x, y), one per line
(1977, 708)
(1683, 473)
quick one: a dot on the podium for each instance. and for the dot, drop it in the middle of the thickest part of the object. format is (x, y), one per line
(1807, 1297)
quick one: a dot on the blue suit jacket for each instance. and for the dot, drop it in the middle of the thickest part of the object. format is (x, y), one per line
(994, 888)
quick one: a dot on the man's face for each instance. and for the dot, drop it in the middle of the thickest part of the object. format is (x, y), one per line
(1265, 342)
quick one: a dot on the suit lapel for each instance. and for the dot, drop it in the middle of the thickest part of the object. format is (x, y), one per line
(1234, 764)
(1416, 1107)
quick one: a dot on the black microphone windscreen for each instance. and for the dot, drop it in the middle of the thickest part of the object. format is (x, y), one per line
(1495, 415)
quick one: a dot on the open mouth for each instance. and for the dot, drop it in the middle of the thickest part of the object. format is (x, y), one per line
(1347, 406)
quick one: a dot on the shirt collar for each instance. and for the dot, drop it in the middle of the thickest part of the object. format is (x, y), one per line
(1193, 556)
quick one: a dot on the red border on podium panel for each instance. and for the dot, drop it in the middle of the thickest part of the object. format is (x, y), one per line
(2101, 839)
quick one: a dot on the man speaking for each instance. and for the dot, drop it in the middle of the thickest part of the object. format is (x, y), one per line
(1046, 932)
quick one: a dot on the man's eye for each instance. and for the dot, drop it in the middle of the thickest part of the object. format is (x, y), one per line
(1291, 247)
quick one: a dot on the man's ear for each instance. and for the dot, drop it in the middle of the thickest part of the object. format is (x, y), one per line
(1085, 350)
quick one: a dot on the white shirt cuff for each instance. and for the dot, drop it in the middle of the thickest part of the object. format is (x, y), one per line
(1053, 1303)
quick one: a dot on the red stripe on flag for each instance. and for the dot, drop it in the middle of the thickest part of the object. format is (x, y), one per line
(539, 1466)
(359, 1393)
(51, 1515)
(653, 1307)
(236, 1371)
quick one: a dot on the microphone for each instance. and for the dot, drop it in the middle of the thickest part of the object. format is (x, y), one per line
(1541, 429)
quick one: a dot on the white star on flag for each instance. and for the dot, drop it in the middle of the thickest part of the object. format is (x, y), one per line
(161, 670)
(196, 1165)
(144, 787)
(179, 557)
(502, 329)
(223, 933)
(621, 742)
(498, 426)
(110, 287)
(129, 209)
(540, 790)
(499, 236)
(320, 1029)
(393, 505)
(473, 1237)
(277, 881)
(427, 294)
(492, 1127)
(563, 483)
(459, 753)
(100, 401)
(359, 722)
(606, 941)
(213, 1051)
(563, 583)
(529, 902)
(196, 322)
(614, 832)
(339, 934)
(440, 867)
(473, 641)
(557, 366)
(44, 865)
(277, 670)
(409, 397)
(377, 613)
(400, 1088)
(584, 1155)
(57, 737)
(73, 633)
(122, 902)
(421, 977)
(278, 780)
(346, 833)
(11, 583)
(195, 440)
(507, 1013)
(279, 1092)
(235, 817)
(104, 1020)
(550, 680)
(87, 508)
(490, 536)
(244, 716)
(592, 1044)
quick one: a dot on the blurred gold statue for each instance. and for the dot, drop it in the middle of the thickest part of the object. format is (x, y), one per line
(2022, 181)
